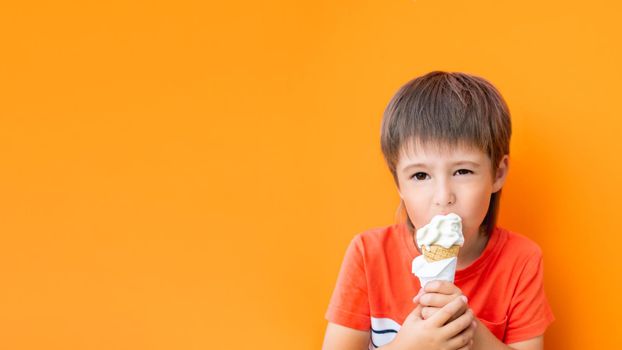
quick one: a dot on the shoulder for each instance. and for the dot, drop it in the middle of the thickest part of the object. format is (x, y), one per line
(520, 247)
(378, 237)
(522, 243)
(384, 242)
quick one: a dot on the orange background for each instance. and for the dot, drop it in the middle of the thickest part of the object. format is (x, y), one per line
(187, 175)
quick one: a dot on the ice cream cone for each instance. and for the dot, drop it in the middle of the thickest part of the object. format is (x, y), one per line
(438, 252)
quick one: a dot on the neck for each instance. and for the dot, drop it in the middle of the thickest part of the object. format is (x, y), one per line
(469, 253)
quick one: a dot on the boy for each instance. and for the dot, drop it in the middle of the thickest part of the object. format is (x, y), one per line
(445, 138)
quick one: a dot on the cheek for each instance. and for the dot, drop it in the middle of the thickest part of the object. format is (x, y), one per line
(478, 201)
(417, 208)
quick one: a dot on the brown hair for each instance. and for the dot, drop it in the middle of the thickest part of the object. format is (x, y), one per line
(448, 108)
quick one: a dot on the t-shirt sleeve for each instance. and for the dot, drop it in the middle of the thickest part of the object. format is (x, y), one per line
(349, 303)
(530, 313)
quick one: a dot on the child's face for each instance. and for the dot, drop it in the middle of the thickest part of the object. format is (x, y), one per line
(435, 181)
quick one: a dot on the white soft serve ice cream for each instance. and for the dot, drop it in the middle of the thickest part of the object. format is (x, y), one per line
(443, 230)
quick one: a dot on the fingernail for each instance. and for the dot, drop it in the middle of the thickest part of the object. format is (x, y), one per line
(464, 298)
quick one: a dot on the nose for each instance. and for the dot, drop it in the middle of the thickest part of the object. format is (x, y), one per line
(444, 194)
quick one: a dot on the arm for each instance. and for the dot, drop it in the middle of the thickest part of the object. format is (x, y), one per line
(340, 337)
(535, 343)
(485, 340)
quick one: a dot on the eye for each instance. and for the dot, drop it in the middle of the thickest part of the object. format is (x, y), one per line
(419, 176)
(464, 171)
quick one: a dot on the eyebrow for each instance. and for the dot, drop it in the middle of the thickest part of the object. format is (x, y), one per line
(462, 162)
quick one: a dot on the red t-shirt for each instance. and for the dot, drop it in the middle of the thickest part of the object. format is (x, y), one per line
(504, 285)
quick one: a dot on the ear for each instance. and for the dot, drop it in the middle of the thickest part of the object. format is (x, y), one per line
(501, 173)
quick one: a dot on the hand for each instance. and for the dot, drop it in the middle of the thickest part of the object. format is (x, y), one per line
(435, 295)
(437, 332)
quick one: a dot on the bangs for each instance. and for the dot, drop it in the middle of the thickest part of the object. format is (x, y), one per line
(446, 110)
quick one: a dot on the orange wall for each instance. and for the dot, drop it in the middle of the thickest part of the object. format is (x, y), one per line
(187, 175)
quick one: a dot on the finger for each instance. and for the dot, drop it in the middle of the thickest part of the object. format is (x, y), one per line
(447, 311)
(427, 312)
(462, 339)
(415, 314)
(443, 287)
(468, 346)
(455, 316)
(434, 310)
(436, 299)
(419, 294)
(458, 325)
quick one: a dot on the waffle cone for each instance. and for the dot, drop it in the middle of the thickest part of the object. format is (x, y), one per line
(438, 252)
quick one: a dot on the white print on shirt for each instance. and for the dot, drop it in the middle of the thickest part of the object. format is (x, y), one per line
(383, 331)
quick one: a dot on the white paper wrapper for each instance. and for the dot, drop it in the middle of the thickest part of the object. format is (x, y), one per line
(437, 270)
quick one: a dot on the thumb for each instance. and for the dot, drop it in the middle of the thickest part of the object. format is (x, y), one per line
(415, 315)
(419, 294)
